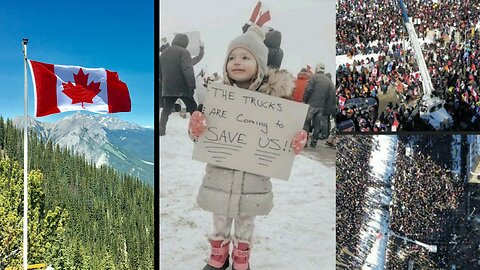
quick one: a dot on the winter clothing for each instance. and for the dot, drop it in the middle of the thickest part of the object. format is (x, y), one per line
(199, 57)
(320, 67)
(234, 195)
(197, 124)
(169, 104)
(244, 226)
(300, 85)
(318, 91)
(220, 248)
(231, 192)
(320, 95)
(176, 69)
(164, 46)
(252, 41)
(273, 40)
(320, 124)
(177, 78)
(299, 142)
(241, 255)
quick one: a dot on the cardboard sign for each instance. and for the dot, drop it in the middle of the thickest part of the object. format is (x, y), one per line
(193, 46)
(249, 131)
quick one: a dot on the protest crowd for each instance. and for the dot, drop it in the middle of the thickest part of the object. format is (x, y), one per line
(426, 204)
(313, 86)
(352, 178)
(425, 200)
(254, 78)
(373, 33)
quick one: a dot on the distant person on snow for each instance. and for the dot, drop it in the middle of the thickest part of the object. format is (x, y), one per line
(177, 78)
(179, 105)
(320, 96)
(163, 46)
(236, 196)
(273, 40)
(300, 83)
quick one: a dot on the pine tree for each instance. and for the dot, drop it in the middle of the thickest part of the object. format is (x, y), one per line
(45, 228)
(80, 216)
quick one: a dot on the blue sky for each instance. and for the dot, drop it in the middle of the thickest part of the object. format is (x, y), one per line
(114, 34)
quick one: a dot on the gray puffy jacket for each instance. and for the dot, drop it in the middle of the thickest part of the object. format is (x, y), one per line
(230, 192)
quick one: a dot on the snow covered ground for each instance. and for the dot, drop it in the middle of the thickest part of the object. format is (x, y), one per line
(374, 235)
(299, 233)
(344, 59)
(456, 154)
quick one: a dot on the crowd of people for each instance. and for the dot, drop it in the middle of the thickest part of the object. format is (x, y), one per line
(353, 181)
(424, 204)
(374, 31)
(177, 83)
(253, 63)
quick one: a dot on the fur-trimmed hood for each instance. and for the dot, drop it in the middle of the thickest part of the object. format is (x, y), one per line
(278, 83)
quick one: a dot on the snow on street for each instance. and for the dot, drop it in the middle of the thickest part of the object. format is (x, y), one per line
(374, 235)
(299, 233)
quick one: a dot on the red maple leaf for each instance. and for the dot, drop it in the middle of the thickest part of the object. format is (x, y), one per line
(81, 91)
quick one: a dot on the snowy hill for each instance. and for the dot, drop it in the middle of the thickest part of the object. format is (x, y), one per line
(299, 232)
(104, 140)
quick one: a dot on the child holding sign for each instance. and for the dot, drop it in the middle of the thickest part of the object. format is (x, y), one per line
(236, 196)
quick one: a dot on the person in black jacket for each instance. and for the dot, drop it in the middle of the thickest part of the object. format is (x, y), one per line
(320, 96)
(164, 45)
(273, 39)
(177, 78)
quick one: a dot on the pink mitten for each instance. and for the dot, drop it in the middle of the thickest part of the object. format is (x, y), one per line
(197, 124)
(299, 142)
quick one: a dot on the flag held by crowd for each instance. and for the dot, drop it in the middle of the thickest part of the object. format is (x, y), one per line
(61, 88)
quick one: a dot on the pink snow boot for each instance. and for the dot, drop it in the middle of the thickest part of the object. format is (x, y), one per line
(241, 255)
(218, 254)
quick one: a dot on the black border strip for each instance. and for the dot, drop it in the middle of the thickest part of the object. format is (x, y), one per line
(156, 191)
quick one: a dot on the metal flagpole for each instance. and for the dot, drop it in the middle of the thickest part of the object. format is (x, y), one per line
(25, 158)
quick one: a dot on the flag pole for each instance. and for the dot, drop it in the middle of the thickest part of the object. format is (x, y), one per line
(25, 157)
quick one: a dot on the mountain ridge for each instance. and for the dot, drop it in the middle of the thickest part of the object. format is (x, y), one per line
(103, 140)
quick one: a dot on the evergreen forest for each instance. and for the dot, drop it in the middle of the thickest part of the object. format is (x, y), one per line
(80, 216)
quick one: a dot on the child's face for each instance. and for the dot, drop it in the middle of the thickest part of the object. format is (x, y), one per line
(241, 66)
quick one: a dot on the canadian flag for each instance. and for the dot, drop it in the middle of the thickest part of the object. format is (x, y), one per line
(395, 124)
(341, 102)
(474, 94)
(60, 88)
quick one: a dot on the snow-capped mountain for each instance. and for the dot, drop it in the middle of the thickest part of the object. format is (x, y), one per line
(104, 140)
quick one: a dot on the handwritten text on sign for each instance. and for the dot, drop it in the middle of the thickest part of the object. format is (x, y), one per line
(249, 131)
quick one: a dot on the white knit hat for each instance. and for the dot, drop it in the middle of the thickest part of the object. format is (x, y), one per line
(252, 40)
(320, 67)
